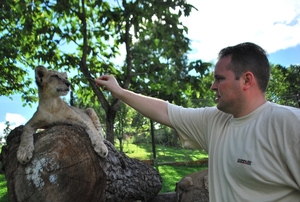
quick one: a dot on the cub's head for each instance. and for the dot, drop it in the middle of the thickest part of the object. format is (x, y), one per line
(51, 83)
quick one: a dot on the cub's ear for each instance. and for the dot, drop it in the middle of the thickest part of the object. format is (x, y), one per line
(65, 75)
(40, 72)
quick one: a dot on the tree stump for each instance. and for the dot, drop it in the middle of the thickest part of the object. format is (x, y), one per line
(193, 187)
(65, 168)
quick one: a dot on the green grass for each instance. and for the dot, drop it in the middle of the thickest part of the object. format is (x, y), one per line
(170, 174)
(163, 153)
(3, 189)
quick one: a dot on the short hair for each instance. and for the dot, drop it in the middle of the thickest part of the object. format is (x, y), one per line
(249, 57)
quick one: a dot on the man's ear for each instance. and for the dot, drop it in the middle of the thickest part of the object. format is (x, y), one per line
(248, 80)
(40, 72)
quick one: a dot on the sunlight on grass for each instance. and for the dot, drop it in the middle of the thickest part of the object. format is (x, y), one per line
(141, 152)
(163, 153)
(172, 174)
(3, 189)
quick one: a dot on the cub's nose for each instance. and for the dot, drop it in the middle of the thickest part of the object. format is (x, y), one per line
(68, 83)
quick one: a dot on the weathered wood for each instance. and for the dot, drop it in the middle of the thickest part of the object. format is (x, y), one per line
(65, 168)
(193, 187)
(165, 197)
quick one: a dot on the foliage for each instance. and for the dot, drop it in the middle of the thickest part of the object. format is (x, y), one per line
(123, 122)
(3, 189)
(163, 71)
(172, 174)
(284, 85)
(84, 37)
(6, 131)
(12, 42)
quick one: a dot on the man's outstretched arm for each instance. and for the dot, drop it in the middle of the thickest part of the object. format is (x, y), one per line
(153, 108)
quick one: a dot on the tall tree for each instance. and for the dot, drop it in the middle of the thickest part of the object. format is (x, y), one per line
(161, 66)
(82, 37)
(294, 79)
(284, 85)
(160, 63)
(14, 42)
(277, 88)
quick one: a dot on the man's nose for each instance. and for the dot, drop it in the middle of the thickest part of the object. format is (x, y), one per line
(213, 86)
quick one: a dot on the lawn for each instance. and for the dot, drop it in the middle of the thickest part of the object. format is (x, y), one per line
(163, 153)
(3, 189)
(170, 174)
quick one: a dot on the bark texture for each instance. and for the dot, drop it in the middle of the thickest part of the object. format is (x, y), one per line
(65, 168)
(193, 187)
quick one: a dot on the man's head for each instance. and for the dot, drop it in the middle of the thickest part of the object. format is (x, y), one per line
(249, 57)
(241, 78)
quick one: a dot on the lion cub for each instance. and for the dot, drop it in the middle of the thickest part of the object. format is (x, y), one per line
(53, 110)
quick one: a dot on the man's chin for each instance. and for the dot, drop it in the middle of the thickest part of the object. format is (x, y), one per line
(220, 106)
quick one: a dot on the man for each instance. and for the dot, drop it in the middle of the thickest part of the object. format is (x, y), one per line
(253, 145)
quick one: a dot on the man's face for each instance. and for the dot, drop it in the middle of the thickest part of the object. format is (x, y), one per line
(228, 89)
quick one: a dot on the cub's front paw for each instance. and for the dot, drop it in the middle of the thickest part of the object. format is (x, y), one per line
(24, 153)
(100, 148)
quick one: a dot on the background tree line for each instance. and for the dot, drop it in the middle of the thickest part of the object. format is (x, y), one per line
(84, 39)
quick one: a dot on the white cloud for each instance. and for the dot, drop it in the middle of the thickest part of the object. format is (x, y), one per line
(273, 24)
(14, 121)
(2, 126)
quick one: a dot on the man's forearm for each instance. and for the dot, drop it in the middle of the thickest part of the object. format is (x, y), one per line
(155, 109)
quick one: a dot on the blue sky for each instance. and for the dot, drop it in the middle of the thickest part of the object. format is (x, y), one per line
(273, 24)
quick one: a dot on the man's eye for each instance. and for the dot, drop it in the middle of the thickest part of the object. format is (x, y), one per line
(219, 79)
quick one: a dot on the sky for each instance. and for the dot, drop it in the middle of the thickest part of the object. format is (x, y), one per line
(272, 24)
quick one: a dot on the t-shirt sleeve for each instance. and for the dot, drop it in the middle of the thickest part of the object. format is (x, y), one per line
(292, 152)
(192, 125)
(292, 160)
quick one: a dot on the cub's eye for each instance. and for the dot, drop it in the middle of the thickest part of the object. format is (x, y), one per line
(54, 76)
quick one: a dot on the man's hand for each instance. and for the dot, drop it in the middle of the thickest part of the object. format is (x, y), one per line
(108, 82)
(153, 108)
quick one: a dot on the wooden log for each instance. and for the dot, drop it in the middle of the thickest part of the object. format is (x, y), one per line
(165, 197)
(193, 187)
(65, 167)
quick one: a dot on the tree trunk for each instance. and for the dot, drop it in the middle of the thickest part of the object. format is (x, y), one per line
(110, 119)
(65, 168)
(193, 187)
(175, 139)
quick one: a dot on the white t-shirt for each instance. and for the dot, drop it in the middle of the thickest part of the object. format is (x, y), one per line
(253, 158)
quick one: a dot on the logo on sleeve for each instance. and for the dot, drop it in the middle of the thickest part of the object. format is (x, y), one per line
(243, 161)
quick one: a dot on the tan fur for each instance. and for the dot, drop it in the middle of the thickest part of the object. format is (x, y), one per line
(53, 110)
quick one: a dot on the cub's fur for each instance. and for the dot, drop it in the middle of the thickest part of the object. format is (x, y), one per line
(53, 110)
